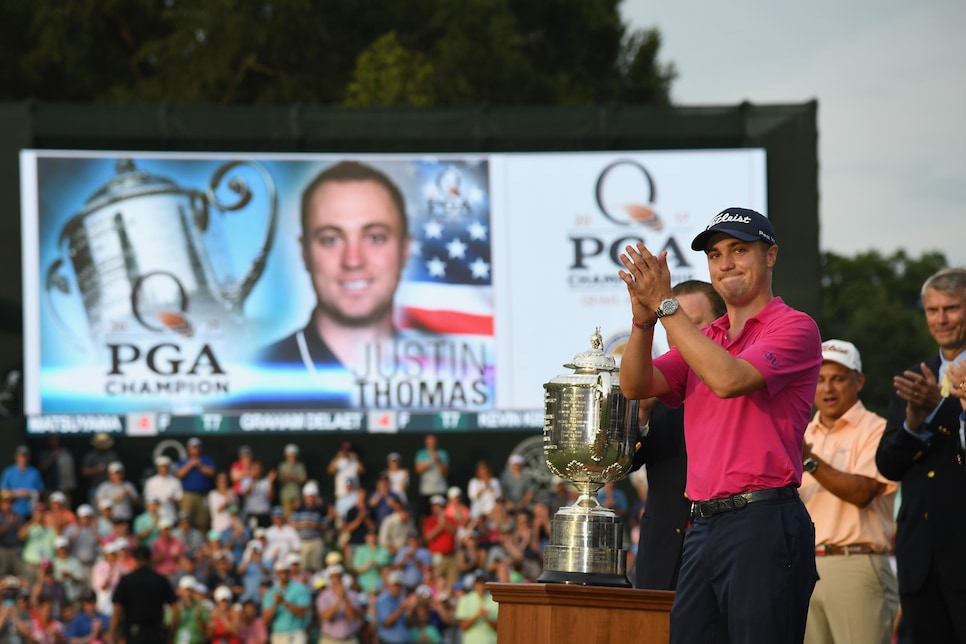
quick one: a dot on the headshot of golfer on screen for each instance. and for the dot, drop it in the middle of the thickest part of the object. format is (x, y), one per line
(355, 244)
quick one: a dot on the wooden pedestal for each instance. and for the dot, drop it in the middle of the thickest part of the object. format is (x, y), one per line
(567, 613)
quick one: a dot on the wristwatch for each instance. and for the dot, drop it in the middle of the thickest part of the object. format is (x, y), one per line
(668, 307)
(810, 465)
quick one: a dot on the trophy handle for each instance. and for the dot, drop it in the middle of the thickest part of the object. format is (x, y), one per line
(235, 292)
(57, 280)
(598, 446)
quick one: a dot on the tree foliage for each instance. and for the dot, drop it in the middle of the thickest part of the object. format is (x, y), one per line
(328, 52)
(874, 302)
(388, 74)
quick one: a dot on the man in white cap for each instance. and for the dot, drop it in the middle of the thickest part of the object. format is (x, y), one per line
(457, 511)
(165, 486)
(393, 608)
(340, 613)
(67, 569)
(121, 493)
(296, 571)
(345, 466)
(167, 549)
(145, 525)
(84, 540)
(311, 518)
(280, 537)
(291, 477)
(197, 474)
(477, 612)
(440, 531)
(59, 516)
(851, 503)
(105, 574)
(187, 621)
(286, 608)
(105, 518)
(222, 619)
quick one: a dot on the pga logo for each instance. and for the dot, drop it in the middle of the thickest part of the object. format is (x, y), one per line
(165, 359)
(625, 193)
(587, 248)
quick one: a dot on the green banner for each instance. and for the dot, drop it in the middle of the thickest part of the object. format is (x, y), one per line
(163, 424)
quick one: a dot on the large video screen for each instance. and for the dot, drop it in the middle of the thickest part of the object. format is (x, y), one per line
(202, 292)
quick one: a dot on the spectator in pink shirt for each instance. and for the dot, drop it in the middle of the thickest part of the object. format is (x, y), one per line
(251, 629)
(166, 551)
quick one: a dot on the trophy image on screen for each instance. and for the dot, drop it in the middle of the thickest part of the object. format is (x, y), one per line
(590, 434)
(138, 258)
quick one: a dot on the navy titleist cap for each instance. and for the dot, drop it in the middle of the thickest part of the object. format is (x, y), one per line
(740, 223)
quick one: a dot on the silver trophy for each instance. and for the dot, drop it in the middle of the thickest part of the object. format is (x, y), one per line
(139, 259)
(590, 434)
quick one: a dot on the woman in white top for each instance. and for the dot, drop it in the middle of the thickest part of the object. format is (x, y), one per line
(484, 491)
(220, 499)
(258, 501)
(166, 487)
(107, 571)
(398, 476)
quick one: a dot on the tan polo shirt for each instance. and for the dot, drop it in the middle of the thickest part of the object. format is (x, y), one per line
(849, 446)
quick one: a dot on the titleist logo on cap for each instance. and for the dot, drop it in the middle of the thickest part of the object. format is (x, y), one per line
(726, 216)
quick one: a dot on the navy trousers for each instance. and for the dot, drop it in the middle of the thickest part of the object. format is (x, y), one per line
(746, 576)
(936, 612)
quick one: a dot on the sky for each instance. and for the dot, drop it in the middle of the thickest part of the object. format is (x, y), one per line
(890, 80)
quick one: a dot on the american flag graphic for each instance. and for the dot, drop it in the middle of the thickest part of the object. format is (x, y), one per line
(449, 280)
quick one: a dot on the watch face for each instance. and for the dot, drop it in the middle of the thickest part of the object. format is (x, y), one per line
(667, 307)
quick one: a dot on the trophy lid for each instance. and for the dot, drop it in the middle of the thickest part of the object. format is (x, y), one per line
(593, 360)
(129, 181)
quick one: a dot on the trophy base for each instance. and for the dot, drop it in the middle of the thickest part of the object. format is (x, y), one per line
(585, 547)
(583, 579)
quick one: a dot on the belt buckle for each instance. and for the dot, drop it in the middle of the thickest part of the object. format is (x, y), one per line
(821, 550)
(701, 509)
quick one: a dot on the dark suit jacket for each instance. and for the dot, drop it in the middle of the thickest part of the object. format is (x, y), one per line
(667, 510)
(931, 524)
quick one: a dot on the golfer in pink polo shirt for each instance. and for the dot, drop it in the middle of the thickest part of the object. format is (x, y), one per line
(748, 567)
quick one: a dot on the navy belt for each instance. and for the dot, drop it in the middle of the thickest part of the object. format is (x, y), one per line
(711, 507)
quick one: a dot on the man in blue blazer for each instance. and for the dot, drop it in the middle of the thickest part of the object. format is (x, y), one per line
(923, 448)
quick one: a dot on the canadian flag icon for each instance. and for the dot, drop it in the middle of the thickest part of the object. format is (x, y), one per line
(142, 425)
(382, 421)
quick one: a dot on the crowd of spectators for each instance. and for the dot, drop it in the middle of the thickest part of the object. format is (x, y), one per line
(257, 551)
